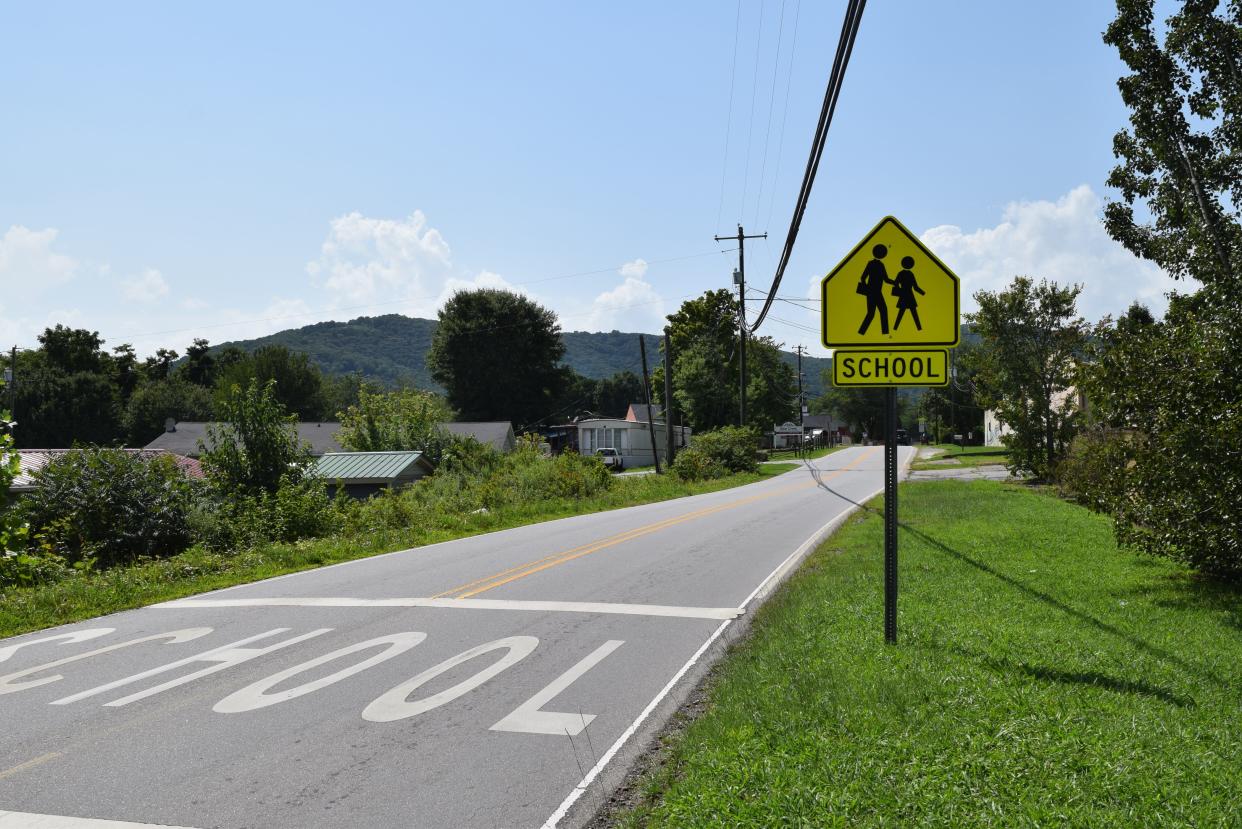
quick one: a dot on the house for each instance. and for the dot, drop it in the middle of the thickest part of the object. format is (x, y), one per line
(994, 428)
(497, 434)
(183, 438)
(362, 474)
(32, 460)
(631, 438)
(824, 429)
(638, 412)
(786, 435)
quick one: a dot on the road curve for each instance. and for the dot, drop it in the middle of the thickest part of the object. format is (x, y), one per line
(500, 680)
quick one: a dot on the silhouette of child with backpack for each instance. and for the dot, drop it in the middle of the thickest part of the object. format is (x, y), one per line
(904, 288)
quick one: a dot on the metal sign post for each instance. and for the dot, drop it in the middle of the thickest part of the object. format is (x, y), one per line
(890, 267)
(890, 517)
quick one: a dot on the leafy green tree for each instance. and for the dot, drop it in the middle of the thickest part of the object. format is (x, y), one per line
(297, 381)
(157, 367)
(614, 394)
(1032, 343)
(1171, 388)
(154, 402)
(497, 355)
(56, 410)
(13, 529)
(200, 366)
(396, 420)
(771, 385)
(256, 448)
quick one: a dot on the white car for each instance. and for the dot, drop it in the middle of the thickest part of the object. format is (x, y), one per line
(611, 458)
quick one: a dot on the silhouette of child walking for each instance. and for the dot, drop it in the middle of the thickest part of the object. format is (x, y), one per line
(904, 287)
(871, 285)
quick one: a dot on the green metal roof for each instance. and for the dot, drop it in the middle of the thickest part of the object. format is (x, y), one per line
(369, 467)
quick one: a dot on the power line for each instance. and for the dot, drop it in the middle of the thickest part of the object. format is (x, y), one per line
(780, 141)
(750, 127)
(845, 46)
(776, 65)
(724, 170)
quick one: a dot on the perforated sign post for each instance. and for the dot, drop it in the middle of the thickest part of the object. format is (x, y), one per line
(868, 352)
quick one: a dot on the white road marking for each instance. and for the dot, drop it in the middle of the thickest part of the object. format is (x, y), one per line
(255, 696)
(29, 820)
(8, 686)
(716, 613)
(394, 704)
(65, 638)
(225, 656)
(763, 589)
(528, 719)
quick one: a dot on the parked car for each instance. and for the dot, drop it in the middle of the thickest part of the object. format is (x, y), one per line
(903, 437)
(611, 458)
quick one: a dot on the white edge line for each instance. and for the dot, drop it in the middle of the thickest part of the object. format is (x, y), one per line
(764, 586)
(465, 604)
(29, 820)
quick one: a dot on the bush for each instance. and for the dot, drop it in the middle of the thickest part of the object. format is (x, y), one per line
(109, 506)
(299, 508)
(693, 464)
(1094, 470)
(733, 447)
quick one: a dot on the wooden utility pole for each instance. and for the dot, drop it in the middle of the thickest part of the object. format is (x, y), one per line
(655, 450)
(668, 399)
(801, 402)
(739, 278)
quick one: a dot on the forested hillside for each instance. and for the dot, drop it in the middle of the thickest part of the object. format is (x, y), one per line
(392, 349)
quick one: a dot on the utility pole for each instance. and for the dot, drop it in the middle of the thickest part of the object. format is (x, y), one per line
(655, 450)
(668, 398)
(739, 279)
(801, 402)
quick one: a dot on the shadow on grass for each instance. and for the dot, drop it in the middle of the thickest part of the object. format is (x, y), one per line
(1037, 595)
(1093, 679)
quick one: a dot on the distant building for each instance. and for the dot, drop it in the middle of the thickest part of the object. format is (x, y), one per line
(631, 438)
(183, 438)
(362, 474)
(33, 460)
(786, 435)
(994, 428)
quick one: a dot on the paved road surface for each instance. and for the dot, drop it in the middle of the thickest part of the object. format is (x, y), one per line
(480, 682)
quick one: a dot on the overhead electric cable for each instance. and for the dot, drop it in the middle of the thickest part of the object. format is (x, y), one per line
(780, 140)
(750, 127)
(845, 46)
(776, 65)
(724, 167)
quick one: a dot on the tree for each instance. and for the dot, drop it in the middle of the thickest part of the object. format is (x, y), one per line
(154, 402)
(864, 410)
(497, 354)
(771, 387)
(953, 409)
(257, 447)
(55, 409)
(298, 382)
(200, 366)
(614, 394)
(1032, 342)
(13, 530)
(1172, 387)
(396, 420)
(157, 367)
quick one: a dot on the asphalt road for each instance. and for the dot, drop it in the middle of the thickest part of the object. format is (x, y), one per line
(504, 680)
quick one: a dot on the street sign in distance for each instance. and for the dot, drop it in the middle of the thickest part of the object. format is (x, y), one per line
(890, 291)
(890, 367)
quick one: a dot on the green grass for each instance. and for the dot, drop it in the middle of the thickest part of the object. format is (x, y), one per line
(963, 456)
(1042, 678)
(769, 470)
(196, 570)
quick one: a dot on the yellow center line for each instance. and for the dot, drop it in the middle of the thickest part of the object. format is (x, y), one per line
(20, 767)
(521, 571)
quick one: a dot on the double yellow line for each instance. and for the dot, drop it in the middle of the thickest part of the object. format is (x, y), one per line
(521, 571)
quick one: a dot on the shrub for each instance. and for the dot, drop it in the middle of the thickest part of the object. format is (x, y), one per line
(1094, 470)
(109, 505)
(693, 464)
(299, 508)
(733, 447)
(256, 449)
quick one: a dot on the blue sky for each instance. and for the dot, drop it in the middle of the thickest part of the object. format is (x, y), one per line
(225, 170)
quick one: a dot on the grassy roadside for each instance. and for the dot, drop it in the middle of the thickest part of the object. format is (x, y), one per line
(196, 570)
(963, 456)
(1043, 678)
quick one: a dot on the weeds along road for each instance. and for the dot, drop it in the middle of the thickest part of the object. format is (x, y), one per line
(500, 680)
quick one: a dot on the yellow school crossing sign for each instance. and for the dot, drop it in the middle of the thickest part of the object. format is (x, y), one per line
(891, 292)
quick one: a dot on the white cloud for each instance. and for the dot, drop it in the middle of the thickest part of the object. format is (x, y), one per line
(148, 287)
(28, 262)
(1063, 241)
(633, 305)
(380, 260)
